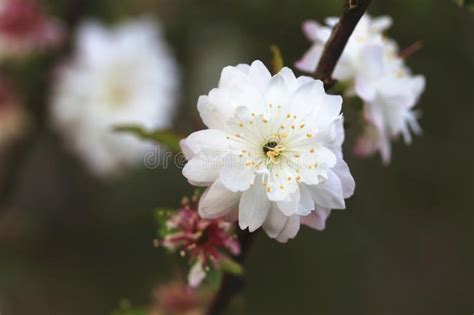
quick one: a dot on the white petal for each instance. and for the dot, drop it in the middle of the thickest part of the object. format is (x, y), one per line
(329, 111)
(332, 21)
(381, 23)
(306, 204)
(418, 84)
(259, 74)
(341, 169)
(235, 174)
(247, 94)
(307, 99)
(372, 65)
(289, 78)
(316, 219)
(217, 201)
(290, 230)
(311, 29)
(303, 79)
(208, 142)
(329, 194)
(277, 92)
(275, 221)
(215, 109)
(200, 171)
(325, 156)
(254, 207)
(290, 206)
(310, 59)
(364, 89)
(206, 149)
(232, 75)
(196, 275)
(333, 136)
(185, 149)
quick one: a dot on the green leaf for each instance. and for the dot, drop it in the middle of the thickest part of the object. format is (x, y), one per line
(231, 266)
(214, 278)
(166, 137)
(277, 59)
(465, 3)
(133, 311)
(125, 308)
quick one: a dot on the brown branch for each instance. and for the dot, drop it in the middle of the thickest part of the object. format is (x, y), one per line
(232, 284)
(353, 11)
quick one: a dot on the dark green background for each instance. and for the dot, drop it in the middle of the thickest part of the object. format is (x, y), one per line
(73, 244)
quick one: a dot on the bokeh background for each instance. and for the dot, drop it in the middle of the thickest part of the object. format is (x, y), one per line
(71, 243)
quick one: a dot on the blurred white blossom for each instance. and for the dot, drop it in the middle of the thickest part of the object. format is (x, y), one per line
(372, 68)
(119, 76)
(272, 154)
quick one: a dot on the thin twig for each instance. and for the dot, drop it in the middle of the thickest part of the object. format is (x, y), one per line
(410, 50)
(353, 11)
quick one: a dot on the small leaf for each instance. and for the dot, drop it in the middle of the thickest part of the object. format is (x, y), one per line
(214, 278)
(231, 266)
(125, 308)
(277, 59)
(161, 217)
(165, 137)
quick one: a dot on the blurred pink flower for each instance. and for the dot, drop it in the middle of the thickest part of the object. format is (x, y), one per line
(175, 298)
(24, 27)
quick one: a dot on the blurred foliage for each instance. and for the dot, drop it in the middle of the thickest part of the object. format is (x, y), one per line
(466, 3)
(168, 138)
(125, 308)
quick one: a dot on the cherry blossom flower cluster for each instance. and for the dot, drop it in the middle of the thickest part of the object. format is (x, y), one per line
(25, 28)
(271, 156)
(205, 243)
(373, 70)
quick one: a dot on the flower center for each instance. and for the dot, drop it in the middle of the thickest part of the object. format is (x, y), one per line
(273, 149)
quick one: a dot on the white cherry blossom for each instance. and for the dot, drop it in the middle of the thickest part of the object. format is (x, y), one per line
(272, 154)
(119, 76)
(371, 67)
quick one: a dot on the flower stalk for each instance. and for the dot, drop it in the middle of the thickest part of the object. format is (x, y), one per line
(232, 284)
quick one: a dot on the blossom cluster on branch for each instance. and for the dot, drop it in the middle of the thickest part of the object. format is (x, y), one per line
(372, 69)
(207, 244)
